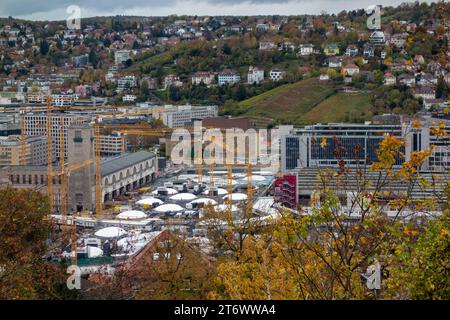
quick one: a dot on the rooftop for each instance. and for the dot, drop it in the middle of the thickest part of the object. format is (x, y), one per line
(124, 161)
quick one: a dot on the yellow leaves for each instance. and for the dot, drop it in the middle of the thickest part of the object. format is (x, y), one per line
(416, 124)
(323, 142)
(438, 129)
(444, 232)
(416, 160)
(387, 152)
(410, 232)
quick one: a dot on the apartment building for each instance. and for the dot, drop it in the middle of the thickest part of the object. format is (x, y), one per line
(185, 115)
(228, 77)
(121, 56)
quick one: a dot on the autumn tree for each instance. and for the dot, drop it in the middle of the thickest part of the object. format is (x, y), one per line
(24, 235)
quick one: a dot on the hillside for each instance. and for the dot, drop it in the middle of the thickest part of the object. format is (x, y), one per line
(288, 103)
(305, 102)
(341, 107)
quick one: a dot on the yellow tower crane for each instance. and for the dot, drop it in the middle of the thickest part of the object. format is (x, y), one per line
(49, 153)
(98, 174)
(23, 138)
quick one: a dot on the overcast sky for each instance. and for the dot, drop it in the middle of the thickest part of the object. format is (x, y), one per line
(56, 9)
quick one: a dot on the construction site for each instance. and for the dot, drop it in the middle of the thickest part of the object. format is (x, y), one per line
(110, 202)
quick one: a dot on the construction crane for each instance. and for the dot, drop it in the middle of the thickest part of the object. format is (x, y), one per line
(49, 153)
(23, 138)
(98, 173)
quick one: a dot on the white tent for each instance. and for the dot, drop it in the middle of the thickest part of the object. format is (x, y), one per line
(255, 178)
(266, 173)
(236, 197)
(110, 232)
(204, 201)
(183, 197)
(131, 215)
(169, 208)
(149, 201)
(224, 207)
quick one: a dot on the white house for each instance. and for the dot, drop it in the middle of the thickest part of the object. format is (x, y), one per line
(255, 75)
(350, 69)
(276, 75)
(202, 77)
(377, 37)
(228, 77)
(305, 49)
(389, 79)
(351, 50)
(129, 98)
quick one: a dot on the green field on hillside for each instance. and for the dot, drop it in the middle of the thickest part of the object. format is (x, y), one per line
(341, 107)
(305, 102)
(288, 103)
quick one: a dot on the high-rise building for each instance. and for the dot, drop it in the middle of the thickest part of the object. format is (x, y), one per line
(36, 125)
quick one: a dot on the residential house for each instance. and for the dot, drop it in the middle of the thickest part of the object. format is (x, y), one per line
(434, 103)
(419, 59)
(126, 83)
(331, 49)
(407, 80)
(389, 79)
(305, 49)
(351, 50)
(267, 45)
(276, 75)
(368, 50)
(172, 80)
(286, 46)
(334, 62)
(427, 79)
(262, 27)
(129, 98)
(377, 38)
(398, 40)
(202, 77)
(424, 92)
(228, 76)
(350, 69)
(255, 75)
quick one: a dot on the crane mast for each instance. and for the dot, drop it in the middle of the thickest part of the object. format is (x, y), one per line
(49, 153)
